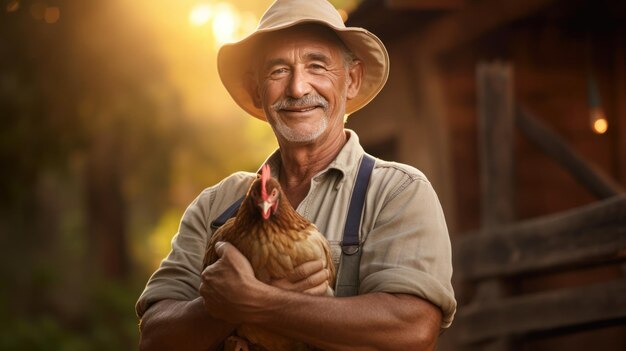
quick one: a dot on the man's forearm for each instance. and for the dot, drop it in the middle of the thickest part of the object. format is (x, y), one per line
(377, 321)
(181, 325)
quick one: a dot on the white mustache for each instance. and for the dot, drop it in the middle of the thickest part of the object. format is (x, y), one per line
(305, 101)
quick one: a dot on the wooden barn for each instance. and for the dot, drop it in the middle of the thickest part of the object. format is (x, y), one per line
(516, 111)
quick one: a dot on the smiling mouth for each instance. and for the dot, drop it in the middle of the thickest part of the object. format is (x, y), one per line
(301, 109)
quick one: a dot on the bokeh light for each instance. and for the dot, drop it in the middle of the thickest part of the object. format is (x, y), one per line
(225, 23)
(200, 14)
(599, 123)
(13, 6)
(52, 14)
(600, 126)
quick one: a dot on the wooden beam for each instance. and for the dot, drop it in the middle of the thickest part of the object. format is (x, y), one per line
(590, 176)
(495, 129)
(619, 96)
(458, 28)
(589, 234)
(581, 306)
(425, 4)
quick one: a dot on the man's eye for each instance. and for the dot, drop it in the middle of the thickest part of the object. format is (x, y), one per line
(279, 71)
(316, 66)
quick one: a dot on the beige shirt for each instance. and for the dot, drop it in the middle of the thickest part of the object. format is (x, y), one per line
(405, 242)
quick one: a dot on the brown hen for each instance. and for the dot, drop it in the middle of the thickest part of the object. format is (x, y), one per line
(275, 239)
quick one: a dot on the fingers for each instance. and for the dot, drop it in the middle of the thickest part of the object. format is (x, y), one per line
(305, 270)
(220, 248)
(316, 284)
(319, 290)
(231, 261)
(315, 279)
(224, 248)
(310, 277)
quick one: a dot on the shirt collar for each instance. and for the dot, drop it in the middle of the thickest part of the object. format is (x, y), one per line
(346, 162)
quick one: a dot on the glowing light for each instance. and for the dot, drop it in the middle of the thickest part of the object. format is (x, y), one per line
(225, 23)
(52, 14)
(200, 14)
(13, 6)
(247, 24)
(599, 124)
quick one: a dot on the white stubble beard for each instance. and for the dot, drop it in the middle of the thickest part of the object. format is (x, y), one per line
(294, 135)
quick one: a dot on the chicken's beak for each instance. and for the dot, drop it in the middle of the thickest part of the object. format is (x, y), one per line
(266, 206)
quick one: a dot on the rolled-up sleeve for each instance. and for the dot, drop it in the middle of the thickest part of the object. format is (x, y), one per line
(178, 276)
(408, 248)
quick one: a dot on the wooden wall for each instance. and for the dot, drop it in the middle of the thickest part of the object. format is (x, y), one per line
(551, 55)
(550, 63)
(429, 107)
(405, 123)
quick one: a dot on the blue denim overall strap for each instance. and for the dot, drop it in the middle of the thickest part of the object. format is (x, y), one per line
(348, 272)
(230, 212)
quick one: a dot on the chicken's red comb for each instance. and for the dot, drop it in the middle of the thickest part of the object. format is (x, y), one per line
(265, 176)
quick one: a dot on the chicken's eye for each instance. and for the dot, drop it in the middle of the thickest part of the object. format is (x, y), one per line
(274, 195)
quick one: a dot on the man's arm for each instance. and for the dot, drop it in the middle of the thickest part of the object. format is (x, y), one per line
(181, 325)
(376, 321)
(186, 325)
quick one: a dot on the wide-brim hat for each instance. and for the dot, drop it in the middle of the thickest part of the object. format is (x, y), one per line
(234, 61)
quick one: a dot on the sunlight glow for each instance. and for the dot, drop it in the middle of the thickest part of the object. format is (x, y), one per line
(248, 24)
(200, 14)
(225, 23)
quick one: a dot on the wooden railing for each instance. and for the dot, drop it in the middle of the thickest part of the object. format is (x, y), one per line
(505, 249)
(586, 236)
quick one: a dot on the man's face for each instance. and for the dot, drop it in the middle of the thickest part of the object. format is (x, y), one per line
(303, 83)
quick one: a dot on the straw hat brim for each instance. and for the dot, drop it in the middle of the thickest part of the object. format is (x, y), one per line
(234, 62)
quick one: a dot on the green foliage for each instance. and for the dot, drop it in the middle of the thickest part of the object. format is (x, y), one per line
(109, 323)
(39, 333)
(96, 143)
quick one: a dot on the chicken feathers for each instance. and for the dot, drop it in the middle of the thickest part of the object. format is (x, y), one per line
(275, 239)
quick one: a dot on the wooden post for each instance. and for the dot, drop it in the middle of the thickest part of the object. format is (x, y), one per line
(495, 140)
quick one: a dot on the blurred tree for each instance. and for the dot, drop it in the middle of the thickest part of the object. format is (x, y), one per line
(88, 123)
(84, 87)
(99, 157)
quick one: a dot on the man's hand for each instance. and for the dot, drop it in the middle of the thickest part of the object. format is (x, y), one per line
(229, 287)
(309, 278)
(231, 291)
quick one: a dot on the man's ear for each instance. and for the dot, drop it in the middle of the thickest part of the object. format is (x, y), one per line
(252, 87)
(355, 75)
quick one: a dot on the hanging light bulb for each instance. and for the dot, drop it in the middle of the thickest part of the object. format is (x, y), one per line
(599, 123)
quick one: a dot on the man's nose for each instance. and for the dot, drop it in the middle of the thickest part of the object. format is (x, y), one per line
(298, 84)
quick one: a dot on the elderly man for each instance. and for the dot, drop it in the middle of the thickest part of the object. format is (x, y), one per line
(303, 71)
